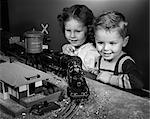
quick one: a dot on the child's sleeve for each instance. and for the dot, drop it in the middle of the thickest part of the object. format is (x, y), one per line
(135, 76)
(131, 77)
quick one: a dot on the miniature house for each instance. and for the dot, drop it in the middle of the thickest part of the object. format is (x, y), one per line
(19, 81)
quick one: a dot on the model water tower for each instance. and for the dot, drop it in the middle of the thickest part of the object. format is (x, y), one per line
(33, 46)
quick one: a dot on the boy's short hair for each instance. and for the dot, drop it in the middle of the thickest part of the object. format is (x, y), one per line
(110, 20)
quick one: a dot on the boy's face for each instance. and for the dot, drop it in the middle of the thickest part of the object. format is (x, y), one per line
(109, 44)
(75, 32)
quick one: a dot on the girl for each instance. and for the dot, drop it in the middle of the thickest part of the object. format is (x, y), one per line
(76, 23)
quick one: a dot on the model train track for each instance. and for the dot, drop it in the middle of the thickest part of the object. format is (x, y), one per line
(69, 111)
(72, 112)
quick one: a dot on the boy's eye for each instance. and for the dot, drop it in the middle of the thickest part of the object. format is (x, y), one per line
(100, 43)
(113, 43)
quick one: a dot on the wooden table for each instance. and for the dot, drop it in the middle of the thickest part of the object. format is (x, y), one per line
(117, 104)
(105, 102)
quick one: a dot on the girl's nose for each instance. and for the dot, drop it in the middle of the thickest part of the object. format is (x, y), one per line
(72, 35)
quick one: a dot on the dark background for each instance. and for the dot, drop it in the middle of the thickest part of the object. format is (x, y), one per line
(19, 16)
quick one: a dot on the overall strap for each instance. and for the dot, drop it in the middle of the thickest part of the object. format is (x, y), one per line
(99, 62)
(118, 67)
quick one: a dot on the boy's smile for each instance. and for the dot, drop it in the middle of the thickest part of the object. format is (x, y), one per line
(109, 44)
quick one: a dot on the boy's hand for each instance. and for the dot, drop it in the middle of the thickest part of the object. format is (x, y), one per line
(93, 71)
(68, 49)
(104, 77)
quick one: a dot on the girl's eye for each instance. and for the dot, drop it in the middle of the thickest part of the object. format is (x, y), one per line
(67, 30)
(78, 31)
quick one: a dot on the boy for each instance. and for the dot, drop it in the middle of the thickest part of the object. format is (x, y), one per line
(115, 66)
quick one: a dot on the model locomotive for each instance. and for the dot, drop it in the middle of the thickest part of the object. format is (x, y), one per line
(69, 67)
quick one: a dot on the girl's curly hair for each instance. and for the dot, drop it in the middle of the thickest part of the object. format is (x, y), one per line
(81, 13)
(111, 20)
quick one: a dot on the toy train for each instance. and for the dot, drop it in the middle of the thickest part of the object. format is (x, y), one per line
(69, 67)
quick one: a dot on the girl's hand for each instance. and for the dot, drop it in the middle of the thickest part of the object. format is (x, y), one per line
(68, 49)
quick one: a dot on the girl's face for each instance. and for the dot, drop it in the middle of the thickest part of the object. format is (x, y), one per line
(109, 44)
(75, 32)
